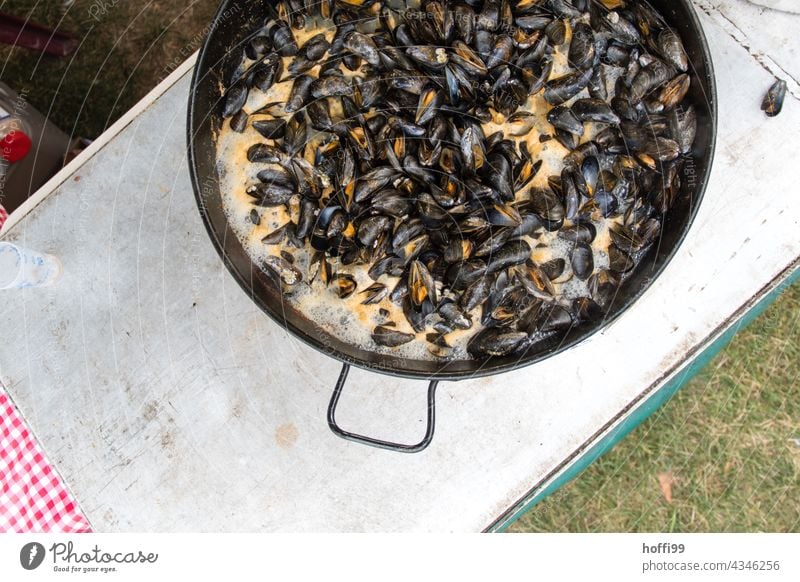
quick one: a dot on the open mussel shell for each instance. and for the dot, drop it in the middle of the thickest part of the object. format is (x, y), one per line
(375, 293)
(603, 287)
(344, 285)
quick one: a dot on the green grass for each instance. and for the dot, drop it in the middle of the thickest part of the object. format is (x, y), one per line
(126, 49)
(726, 438)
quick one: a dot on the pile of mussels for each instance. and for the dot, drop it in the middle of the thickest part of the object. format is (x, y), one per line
(404, 181)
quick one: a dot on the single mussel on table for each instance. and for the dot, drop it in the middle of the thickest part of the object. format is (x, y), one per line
(449, 167)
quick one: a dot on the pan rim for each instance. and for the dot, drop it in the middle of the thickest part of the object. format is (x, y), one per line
(491, 366)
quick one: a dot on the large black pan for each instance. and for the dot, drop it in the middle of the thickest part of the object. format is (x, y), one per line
(220, 54)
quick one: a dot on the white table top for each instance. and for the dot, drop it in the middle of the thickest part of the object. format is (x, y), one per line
(168, 401)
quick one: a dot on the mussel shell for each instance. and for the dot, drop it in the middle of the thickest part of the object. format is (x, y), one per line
(591, 109)
(431, 57)
(580, 232)
(375, 293)
(495, 341)
(258, 46)
(270, 128)
(305, 222)
(670, 47)
(603, 287)
(287, 273)
(490, 242)
(562, 89)
(475, 294)
(536, 21)
(556, 32)
(683, 128)
(315, 47)
(590, 170)
(238, 122)
(586, 309)
(234, 98)
(773, 100)
(363, 46)
(450, 311)
(390, 202)
(389, 265)
(344, 285)
(564, 118)
(535, 281)
(276, 236)
(300, 93)
(648, 78)
(267, 72)
(372, 228)
(283, 40)
(582, 259)
(390, 337)
(278, 176)
(621, 29)
(421, 286)
(548, 207)
(270, 194)
(550, 317)
(331, 86)
(502, 51)
(597, 83)
(512, 253)
(570, 193)
(625, 239)
(673, 93)
(582, 46)
(462, 275)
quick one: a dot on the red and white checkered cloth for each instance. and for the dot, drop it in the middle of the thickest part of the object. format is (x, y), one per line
(33, 498)
(3, 215)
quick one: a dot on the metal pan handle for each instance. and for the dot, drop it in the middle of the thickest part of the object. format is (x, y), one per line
(365, 440)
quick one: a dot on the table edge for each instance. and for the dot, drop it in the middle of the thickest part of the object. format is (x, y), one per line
(648, 401)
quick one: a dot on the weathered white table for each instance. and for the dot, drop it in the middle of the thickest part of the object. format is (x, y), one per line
(168, 401)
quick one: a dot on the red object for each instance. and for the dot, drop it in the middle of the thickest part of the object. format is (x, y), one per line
(17, 32)
(3, 216)
(15, 146)
(33, 498)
